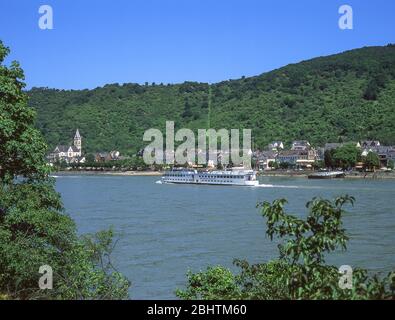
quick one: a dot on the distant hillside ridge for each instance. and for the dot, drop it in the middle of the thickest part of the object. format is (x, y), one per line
(344, 97)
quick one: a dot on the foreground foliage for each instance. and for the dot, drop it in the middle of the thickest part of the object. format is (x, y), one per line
(301, 271)
(34, 231)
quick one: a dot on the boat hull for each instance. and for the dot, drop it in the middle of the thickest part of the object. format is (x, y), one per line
(328, 175)
(245, 184)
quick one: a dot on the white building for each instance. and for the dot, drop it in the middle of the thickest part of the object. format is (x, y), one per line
(276, 146)
(300, 145)
(71, 153)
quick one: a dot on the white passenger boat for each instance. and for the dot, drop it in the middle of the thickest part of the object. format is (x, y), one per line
(233, 177)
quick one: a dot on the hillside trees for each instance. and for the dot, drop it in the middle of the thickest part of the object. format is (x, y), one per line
(349, 95)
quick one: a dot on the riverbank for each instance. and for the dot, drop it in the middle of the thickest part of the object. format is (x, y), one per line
(353, 175)
(112, 173)
(279, 173)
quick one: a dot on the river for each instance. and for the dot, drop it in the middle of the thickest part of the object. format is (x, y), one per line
(165, 230)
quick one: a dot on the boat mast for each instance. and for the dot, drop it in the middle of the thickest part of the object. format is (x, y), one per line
(209, 107)
(208, 123)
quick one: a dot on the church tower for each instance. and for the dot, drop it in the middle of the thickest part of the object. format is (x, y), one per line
(77, 140)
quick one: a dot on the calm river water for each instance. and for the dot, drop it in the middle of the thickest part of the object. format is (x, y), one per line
(166, 230)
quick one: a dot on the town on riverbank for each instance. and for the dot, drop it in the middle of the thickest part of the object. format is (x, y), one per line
(364, 159)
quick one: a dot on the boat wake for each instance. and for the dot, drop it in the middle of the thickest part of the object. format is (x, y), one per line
(158, 182)
(276, 186)
(287, 187)
(65, 176)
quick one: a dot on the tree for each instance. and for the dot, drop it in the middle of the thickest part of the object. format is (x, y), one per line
(375, 84)
(273, 165)
(328, 158)
(284, 165)
(21, 145)
(371, 161)
(217, 283)
(300, 272)
(187, 110)
(390, 164)
(371, 91)
(90, 158)
(34, 230)
(346, 156)
(319, 164)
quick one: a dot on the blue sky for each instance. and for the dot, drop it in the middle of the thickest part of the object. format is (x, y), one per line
(95, 42)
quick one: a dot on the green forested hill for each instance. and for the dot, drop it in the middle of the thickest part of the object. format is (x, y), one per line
(348, 96)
